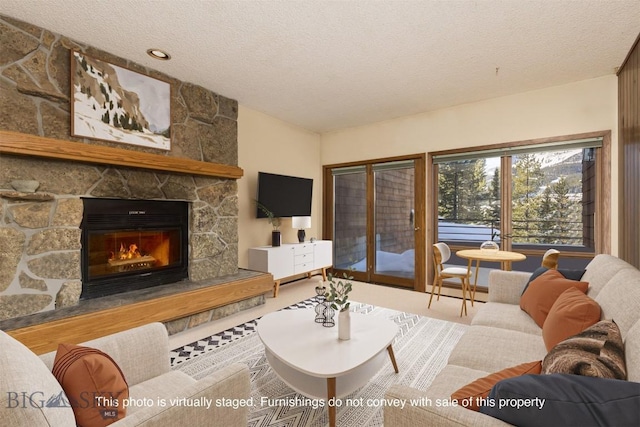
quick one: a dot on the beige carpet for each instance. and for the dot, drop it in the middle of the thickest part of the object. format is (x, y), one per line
(447, 308)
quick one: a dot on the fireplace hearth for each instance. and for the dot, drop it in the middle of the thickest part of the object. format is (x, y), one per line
(132, 244)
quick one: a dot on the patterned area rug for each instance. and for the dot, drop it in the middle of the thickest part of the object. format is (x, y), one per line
(421, 348)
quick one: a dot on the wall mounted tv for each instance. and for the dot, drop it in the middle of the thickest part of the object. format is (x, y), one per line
(283, 195)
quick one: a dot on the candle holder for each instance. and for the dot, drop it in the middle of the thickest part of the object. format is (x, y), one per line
(329, 314)
(324, 313)
(321, 305)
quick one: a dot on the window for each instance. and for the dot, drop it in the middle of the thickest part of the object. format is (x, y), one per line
(527, 196)
(553, 195)
(469, 200)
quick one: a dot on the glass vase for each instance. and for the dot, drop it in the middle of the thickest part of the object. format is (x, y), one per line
(489, 246)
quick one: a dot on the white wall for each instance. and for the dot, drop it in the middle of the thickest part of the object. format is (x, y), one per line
(586, 106)
(266, 144)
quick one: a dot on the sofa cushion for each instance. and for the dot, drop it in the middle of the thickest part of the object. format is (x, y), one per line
(148, 342)
(569, 400)
(506, 286)
(470, 396)
(620, 299)
(601, 270)
(162, 387)
(492, 349)
(572, 313)
(93, 383)
(597, 351)
(539, 297)
(505, 316)
(632, 352)
(23, 371)
(446, 382)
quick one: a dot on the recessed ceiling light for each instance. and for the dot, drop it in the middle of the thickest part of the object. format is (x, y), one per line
(158, 54)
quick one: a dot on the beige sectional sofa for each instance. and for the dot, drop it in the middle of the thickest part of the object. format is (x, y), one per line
(142, 353)
(502, 335)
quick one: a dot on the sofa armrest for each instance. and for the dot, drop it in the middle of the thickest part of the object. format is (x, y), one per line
(230, 383)
(428, 413)
(141, 353)
(506, 286)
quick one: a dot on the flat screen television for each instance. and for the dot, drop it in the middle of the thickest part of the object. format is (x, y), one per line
(284, 195)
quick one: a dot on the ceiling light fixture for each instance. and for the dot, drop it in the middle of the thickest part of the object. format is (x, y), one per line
(158, 54)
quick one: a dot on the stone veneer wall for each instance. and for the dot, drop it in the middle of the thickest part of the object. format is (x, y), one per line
(39, 232)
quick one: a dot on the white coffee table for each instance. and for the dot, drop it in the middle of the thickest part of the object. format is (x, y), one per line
(311, 359)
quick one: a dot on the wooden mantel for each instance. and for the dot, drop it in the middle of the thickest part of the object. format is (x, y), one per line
(176, 303)
(31, 145)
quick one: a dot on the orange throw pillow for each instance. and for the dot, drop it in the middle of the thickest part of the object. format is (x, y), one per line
(93, 383)
(471, 393)
(539, 297)
(572, 313)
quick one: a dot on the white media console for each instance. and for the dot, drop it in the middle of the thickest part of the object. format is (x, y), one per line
(291, 259)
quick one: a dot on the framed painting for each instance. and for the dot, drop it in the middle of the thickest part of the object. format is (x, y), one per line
(112, 103)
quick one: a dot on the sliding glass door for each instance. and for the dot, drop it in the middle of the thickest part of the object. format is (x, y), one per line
(374, 213)
(350, 213)
(394, 221)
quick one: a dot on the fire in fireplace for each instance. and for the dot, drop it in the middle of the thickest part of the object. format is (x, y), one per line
(132, 244)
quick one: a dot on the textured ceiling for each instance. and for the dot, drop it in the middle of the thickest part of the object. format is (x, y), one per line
(326, 65)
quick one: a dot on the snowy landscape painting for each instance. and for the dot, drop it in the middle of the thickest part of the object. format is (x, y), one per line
(115, 104)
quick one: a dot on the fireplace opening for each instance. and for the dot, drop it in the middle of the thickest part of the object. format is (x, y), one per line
(132, 244)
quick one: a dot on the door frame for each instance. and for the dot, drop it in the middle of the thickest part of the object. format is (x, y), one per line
(419, 281)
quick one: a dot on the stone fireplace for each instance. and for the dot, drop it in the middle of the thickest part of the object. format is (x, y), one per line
(41, 237)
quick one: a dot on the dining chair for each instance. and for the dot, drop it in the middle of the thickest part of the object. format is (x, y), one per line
(441, 254)
(550, 259)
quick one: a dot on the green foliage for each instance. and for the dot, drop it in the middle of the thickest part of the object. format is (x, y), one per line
(338, 294)
(527, 179)
(546, 204)
(462, 190)
(479, 191)
(564, 211)
(545, 215)
(273, 220)
(494, 196)
(451, 179)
